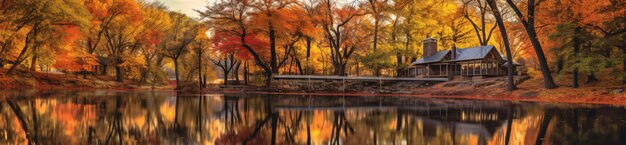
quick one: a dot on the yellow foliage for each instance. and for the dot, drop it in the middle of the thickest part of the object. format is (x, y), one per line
(535, 74)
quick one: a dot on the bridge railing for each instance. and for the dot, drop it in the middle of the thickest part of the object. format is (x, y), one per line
(316, 77)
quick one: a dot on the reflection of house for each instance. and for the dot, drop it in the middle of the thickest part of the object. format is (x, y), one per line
(466, 62)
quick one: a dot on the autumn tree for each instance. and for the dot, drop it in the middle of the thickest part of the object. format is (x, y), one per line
(232, 16)
(40, 19)
(201, 45)
(68, 56)
(500, 22)
(156, 22)
(120, 37)
(376, 10)
(104, 14)
(293, 31)
(273, 20)
(184, 30)
(583, 33)
(481, 9)
(312, 18)
(336, 25)
(529, 24)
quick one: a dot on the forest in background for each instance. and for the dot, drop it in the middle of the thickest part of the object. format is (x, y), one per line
(250, 40)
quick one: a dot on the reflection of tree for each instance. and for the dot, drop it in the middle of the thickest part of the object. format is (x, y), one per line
(231, 113)
(115, 129)
(509, 125)
(156, 119)
(585, 126)
(291, 123)
(543, 129)
(30, 134)
(271, 116)
(340, 123)
(308, 128)
(38, 126)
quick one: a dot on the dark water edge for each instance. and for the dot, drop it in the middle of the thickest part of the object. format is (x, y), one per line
(164, 117)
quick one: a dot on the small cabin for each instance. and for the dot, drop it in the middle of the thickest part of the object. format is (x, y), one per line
(483, 61)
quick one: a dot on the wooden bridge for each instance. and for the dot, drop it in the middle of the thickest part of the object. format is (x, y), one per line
(386, 79)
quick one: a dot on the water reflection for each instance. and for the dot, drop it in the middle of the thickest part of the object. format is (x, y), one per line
(108, 117)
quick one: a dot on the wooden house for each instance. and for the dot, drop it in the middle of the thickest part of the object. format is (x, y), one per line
(483, 61)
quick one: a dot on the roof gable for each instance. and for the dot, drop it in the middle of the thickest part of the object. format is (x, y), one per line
(472, 53)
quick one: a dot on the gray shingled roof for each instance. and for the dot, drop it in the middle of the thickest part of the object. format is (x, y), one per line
(472, 53)
(462, 54)
(437, 57)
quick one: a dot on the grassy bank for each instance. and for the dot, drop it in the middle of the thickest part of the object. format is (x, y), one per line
(22, 79)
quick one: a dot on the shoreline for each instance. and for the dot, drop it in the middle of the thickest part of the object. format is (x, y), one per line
(472, 97)
(513, 98)
(608, 92)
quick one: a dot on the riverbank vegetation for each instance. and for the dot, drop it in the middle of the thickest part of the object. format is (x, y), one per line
(248, 41)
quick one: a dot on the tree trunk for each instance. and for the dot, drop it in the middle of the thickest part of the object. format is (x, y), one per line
(29, 38)
(204, 80)
(118, 73)
(509, 56)
(376, 69)
(245, 72)
(176, 71)
(591, 77)
(18, 60)
(200, 85)
(236, 72)
(308, 54)
(104, 69)
(33, 61)
(399, 62)
(340, 70)
(226, 72)
(273, 61)
(299, 65)
(268, 78)
(577, 45)
(529, 25)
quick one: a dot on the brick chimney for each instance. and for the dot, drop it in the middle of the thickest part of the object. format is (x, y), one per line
(430, 47)
(453, 51)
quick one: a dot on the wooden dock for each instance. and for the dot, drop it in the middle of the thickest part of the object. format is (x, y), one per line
(316, 77)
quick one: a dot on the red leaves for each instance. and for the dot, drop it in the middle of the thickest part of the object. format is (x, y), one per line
(227, 43)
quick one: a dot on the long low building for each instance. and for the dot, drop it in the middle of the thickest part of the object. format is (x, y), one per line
(483, 61)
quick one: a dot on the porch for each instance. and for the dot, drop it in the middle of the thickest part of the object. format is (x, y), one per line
(480, 68)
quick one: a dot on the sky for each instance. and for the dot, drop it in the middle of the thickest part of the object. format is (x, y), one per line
(187, 6)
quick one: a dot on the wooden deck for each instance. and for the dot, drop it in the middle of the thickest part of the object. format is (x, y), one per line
(315, 77)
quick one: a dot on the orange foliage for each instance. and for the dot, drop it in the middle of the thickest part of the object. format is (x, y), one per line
(593, 14)
(69, 57)
(226, 43)
(105, 11)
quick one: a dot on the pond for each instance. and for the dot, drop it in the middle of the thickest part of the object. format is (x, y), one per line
(164, 117)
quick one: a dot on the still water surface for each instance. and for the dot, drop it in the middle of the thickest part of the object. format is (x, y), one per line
(143, 117)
